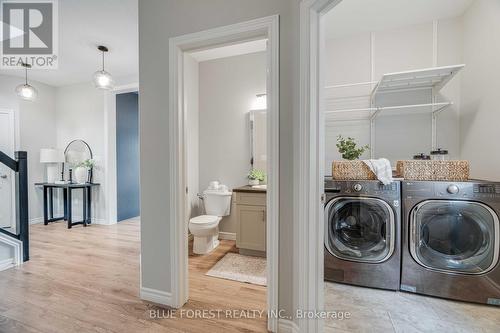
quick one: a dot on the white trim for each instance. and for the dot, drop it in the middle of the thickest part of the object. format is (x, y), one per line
(155, 296)
(110, 150)
(308, 208)
(36, 220)
(287, 326)
(6, 264)
(17, 245)
(14, 137)
(227, 235)
(267, 27)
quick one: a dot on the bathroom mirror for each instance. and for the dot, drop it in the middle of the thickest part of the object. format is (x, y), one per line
(258, 139)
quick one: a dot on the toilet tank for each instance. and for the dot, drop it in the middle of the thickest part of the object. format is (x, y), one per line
(217, 202)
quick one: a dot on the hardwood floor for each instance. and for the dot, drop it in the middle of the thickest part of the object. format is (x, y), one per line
(87, 280)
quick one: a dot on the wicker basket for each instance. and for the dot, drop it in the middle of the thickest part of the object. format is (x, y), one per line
(433, 170)
(351, 170)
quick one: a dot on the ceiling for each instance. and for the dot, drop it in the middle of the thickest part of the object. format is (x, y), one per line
(83, 25)
(230, 50)
(358, 16)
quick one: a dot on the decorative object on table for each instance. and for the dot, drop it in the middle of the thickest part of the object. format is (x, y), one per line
(381, 168)
(349, 149)
(52, 158)
(352, 169)
(433, 170)
(83, 171)
(439, 155)
(421, 157)
(102, 79)
(256, 176)
(79, 154)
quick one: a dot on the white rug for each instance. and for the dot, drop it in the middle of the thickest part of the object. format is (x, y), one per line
(241, 268)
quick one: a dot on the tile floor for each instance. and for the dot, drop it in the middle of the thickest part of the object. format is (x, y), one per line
(374, 310)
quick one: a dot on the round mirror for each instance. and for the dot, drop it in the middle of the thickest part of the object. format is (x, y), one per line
(77, 152)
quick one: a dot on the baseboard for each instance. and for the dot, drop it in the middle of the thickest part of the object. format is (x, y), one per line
(156, 296)
(36, 220)
(101, 221)
(227, 235)
(287, 326)
(7, 263)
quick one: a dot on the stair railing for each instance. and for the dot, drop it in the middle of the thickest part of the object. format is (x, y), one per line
(20, 167)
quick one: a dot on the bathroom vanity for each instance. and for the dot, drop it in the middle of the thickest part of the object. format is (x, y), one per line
(249, 205)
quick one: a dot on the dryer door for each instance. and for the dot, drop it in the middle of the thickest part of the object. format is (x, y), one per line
(454, 236)
(359, 229)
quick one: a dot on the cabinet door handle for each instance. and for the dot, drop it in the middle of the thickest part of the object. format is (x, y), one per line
(3, 176)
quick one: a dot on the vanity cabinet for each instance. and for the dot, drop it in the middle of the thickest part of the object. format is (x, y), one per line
(250, 208)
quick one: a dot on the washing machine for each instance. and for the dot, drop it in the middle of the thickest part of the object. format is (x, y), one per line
(362, 233)
(451, 240)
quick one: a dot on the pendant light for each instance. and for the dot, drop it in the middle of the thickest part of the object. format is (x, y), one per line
(26, 91)
(103, 79)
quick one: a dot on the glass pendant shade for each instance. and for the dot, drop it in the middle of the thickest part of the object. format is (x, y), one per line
(103, 80)
(26, 92)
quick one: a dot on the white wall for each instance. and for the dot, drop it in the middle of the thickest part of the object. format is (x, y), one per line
(353, 59)
(480, 115)
(80, 115)
(191, 99)
(37, 129)
(228, 87)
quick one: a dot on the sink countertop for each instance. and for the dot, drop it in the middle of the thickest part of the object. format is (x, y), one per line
(249, 189)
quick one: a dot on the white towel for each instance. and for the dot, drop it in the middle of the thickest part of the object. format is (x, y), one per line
(381, 168)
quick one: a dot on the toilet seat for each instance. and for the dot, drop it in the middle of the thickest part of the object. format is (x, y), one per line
(205, 220)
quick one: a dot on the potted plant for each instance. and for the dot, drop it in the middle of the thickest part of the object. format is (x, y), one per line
(351, 168)
(349, 149)
(83, 171)
(256, 176)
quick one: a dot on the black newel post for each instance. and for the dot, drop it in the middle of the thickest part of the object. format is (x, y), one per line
(22, 201)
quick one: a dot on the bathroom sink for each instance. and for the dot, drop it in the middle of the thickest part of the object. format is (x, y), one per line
(260, 187)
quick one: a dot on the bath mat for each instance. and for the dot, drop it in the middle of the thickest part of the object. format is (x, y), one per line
(237, 267)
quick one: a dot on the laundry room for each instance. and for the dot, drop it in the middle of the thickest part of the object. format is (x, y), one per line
(411, 181)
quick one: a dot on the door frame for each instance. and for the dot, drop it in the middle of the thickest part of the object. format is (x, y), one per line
(110, 149)
(267, 27)
(14, 125)
(309, 165)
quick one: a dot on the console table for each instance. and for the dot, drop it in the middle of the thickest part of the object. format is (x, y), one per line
(48, 202)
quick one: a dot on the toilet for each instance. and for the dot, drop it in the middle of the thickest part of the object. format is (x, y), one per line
(205, 228)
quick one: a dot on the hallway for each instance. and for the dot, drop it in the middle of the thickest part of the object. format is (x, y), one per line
(87, 280)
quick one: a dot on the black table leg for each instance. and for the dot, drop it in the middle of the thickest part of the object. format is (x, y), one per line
(70, 222)
(84, 208)
(65, 203)
(89, 204)
(45, 212)
(51, 203)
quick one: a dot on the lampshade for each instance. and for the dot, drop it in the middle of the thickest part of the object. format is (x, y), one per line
(50, 155)
(103, 80)
(26, 92)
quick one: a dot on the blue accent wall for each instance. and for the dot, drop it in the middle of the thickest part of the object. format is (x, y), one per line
(127, 155)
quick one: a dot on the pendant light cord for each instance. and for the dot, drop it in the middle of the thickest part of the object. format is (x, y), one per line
(26, 74)
(103, 61)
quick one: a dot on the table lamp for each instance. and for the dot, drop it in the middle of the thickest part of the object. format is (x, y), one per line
(51, 157)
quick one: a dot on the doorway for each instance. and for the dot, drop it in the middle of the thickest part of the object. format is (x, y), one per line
(257, 29)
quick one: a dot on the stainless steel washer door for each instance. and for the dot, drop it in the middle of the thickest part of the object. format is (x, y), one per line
(454, 236)
(359, 229)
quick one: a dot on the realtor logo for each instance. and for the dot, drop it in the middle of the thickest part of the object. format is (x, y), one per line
(29, 33)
